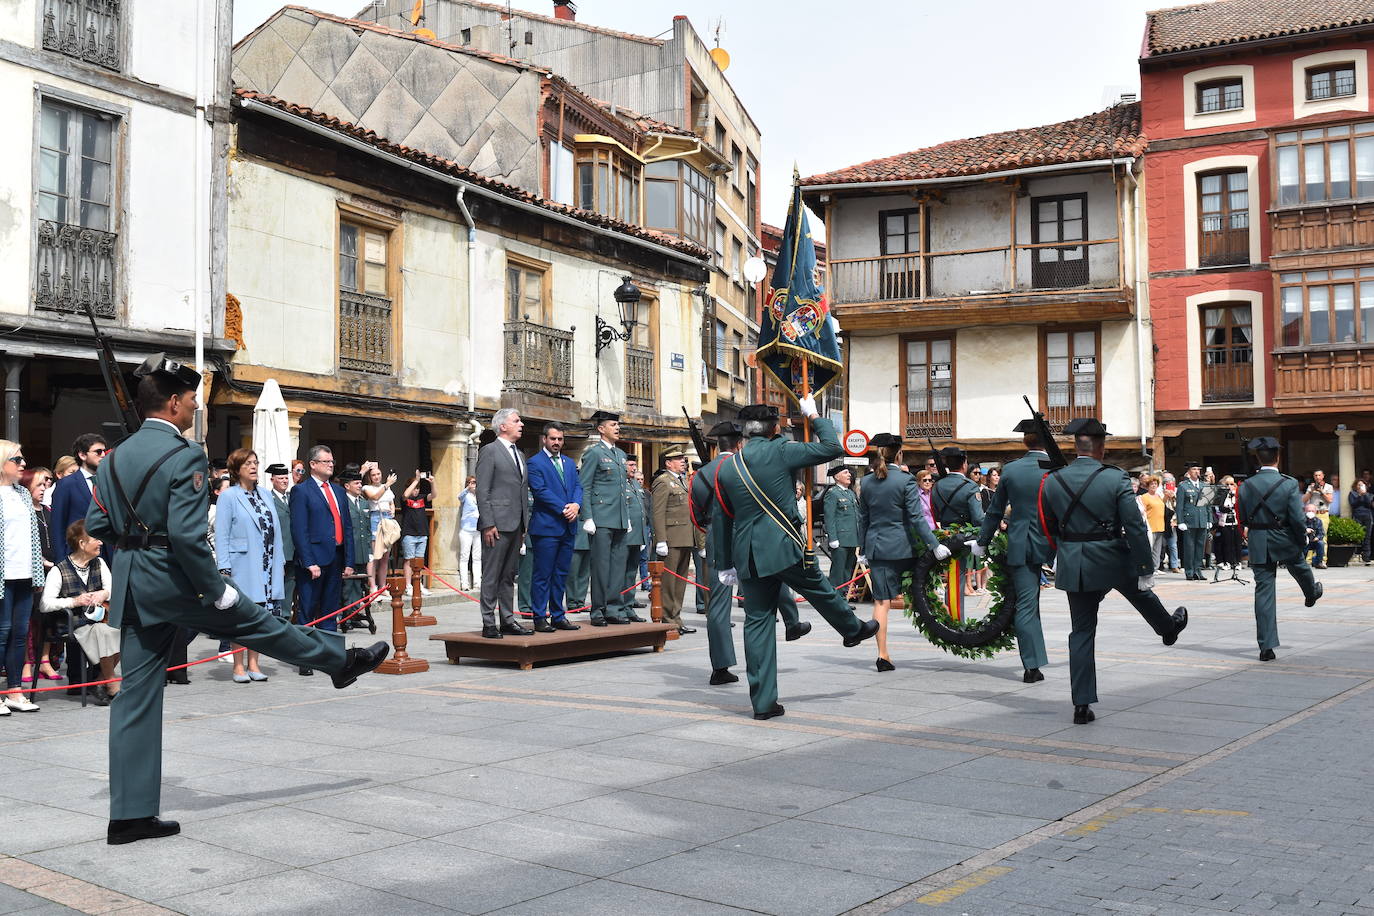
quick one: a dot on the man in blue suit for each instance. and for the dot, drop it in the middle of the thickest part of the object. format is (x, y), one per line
(557, 492)
(72, 495)
(322, 531)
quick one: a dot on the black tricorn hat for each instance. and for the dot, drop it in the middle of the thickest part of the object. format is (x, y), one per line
(1085, 426)
(883, 440)
(159, 364)
(758, 413)
(724, 428)
(274, 469)
(952, 453)
(837, 468)
(349, 476)
(1260, 442)
(1192, 463)
(601, 416)
(1027, 425)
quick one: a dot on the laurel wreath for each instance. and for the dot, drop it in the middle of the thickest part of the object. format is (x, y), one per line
(971, 638)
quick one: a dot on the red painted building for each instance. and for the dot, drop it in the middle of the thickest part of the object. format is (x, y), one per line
(1259, 182)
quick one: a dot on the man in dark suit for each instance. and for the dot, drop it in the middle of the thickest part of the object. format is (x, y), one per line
(557, 494)
(280, 475)
(72, 495)
(359, 530)
(502, 516)
(324, 548)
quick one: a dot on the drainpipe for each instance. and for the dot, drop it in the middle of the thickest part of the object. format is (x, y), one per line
(1142, 297)
(472, 288)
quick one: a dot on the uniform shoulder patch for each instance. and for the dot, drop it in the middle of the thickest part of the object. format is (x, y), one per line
(198, 480)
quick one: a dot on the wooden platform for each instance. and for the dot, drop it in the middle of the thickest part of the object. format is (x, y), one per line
(543, 647)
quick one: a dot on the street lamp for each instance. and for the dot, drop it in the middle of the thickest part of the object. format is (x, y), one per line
(627, 303)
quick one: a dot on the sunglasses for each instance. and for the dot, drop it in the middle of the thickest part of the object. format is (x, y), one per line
(19, 459)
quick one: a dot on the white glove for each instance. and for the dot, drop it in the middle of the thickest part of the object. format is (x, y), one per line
(941, 552)
(1145, 583)
(661, 549)
(861, 560)
(728, 577)
(589, 526)
(701, 552)
(629, 527)
(808, 407)
(228, 599)
(522, 550)
(978, 550)
(1182, 527)
(834, 544)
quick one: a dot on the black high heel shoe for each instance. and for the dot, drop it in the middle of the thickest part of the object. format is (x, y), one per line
(885, 665)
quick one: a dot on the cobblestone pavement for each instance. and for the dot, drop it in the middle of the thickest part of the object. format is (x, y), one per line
(1210, 782)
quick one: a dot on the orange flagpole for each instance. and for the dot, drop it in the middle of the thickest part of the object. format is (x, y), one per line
(809, 477)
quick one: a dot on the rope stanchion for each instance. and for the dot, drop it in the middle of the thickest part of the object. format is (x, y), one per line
(400, 661)
(415, 618)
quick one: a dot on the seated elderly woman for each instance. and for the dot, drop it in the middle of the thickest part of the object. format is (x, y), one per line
(81, 584)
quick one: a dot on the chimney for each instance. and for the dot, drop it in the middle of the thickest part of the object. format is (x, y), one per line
(565, 9)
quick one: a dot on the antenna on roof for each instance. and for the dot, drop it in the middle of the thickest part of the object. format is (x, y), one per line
(719, 54)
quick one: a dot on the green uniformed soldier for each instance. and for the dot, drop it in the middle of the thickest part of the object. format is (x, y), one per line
(637, 504)
(954, 500)
(605, 517)
(765, 547)
(1091, 517)
(1027, 549)
(727, 435)
(524, 577)
(674, 533)
(841, 508)
(280, 476)
(1270, 505)
(152, 503)
(579, 573)
(1193, 520)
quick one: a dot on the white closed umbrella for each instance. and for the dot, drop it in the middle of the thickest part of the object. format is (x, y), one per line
(271, 434)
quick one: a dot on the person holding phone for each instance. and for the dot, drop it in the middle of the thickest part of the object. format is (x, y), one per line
(415, 503)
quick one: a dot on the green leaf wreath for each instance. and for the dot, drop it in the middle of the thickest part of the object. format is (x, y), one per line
(972, 638)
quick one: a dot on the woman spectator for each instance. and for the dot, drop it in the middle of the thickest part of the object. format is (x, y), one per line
(988, 481)
(1362, 510)
(21, 571)
(1152, 504)
(65, 465)
(925, 482)
(45, 631)
(250, 548)
(81, 584)
(1171, 530)
(381, 503)
(469, 543)
(1227, 538)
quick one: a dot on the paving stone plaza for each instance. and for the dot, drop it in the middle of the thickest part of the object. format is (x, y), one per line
(1210, 782)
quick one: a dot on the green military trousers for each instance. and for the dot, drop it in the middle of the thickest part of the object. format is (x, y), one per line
(524, 581)
(842, 560)
(136, 713)
(1030, 636)
(579, 580)
(607, 556)
(624, 603)
(1083, 634)
(1266, 597)
(761, 604)
(1192, 544)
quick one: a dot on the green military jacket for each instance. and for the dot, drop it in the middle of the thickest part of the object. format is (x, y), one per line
(1270, 505)
(672, 514)
(1019, 488)
(362, 532)
(174, 504)
(602, 473)
(704, 510)
(288, 543)
(1106, 511)
(888, 510)
(841, 508)
(765, 536)
(954, 501)
(636, 502)
(1186, 510)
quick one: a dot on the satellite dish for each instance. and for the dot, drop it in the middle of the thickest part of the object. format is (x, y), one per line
(721, 57)
(425, 33)
(755, 269)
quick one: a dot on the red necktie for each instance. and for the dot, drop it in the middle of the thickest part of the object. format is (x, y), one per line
(334, 510)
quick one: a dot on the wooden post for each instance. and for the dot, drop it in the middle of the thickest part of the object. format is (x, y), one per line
(416, 619)
(400, 661)
(656, 595)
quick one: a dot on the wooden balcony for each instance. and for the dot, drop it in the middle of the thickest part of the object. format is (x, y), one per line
(1316, 228)
(538, 359)
(639, 378)
(1332, 379)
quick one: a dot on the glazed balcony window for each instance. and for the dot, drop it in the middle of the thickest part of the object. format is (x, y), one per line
(1223, 218)
(608, 183)
(680, 200)
(1326, 307)
(1325, 163)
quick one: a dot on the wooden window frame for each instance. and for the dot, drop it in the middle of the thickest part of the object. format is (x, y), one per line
(1331, 70)
(1226, 214)
(1207, 347)
(681, 180)
(901, 285)
(545, 270)
(1350, 132)
(394, 228)
(1221, 84)
(1043, 360)
(903, 340)
(608, 165)
(1361, 275)
(1059, 245)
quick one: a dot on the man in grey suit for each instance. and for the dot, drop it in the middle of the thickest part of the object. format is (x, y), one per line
(502, 516)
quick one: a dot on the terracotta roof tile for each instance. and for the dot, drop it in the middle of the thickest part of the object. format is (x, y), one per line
(1107, 134)
(1224, 22)
(644, 123)
(448, 166)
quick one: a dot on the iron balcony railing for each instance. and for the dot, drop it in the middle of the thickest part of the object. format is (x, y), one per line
(87, 30)
(539, 359)
(365, 333)
(75, 267)
(639, 377)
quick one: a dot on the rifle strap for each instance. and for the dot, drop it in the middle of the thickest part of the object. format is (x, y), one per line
(1074, 498)
(1264, 501)
(760, 497)
(142, 486)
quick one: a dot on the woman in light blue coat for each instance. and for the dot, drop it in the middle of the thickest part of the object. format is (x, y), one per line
(248, 544)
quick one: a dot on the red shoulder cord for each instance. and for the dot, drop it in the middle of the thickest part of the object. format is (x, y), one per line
(720, 499)
(1040, 508)
(691, 503)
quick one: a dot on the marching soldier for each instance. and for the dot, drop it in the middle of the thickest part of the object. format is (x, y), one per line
(1027, 549)
(954, 501)
(1090, 515)
(637, 502)
(153, 504)
(841, 509)
(1270, 505)
(1193, 521)
(605, 517)
(672, 519)
(719, 640)
(765, 547)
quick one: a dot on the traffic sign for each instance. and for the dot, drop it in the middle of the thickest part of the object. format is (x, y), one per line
(856, 442)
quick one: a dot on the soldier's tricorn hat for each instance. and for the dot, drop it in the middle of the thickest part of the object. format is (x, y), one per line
(602, 416)
(1192, 463)
(765, 413)
(883, 440)
(674, 451)
(952, 453)
(1027, 425)
(159, 364)
(1085, 426)
(274, 469)
(349, 476)
(1266, 442)
(837, 468)
(724, 428)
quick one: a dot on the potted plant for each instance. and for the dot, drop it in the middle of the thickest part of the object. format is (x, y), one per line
(1343, 537)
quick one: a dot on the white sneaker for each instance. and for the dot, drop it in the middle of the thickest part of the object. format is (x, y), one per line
(4, 710)
(16, 702)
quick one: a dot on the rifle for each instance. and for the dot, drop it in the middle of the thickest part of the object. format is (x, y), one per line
(941, 469)
(1042, 429)
(698, 440)
(1244, 454)
(129, 420)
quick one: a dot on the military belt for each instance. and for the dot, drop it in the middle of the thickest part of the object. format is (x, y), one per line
(1074, 538)
(143, 542)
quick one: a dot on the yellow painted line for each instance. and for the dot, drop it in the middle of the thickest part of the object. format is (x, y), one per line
(1219, 812)
(964, 885)
(1124, 811)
